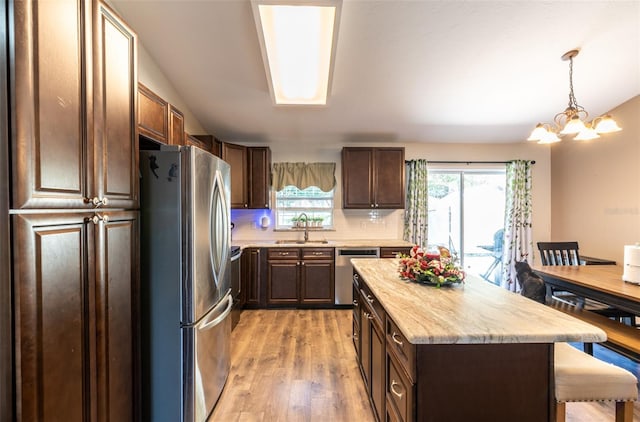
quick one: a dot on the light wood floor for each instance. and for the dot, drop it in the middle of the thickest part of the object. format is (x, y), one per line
(300, 365)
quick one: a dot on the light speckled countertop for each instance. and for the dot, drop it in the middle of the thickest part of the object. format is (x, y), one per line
(330, 243)
(474, 312)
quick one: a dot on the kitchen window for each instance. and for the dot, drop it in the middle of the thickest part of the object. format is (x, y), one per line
(316, 204)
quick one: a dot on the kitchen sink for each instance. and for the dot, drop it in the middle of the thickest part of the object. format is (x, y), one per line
(299, 242)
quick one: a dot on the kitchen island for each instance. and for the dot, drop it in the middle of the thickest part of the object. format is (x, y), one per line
(466, 352)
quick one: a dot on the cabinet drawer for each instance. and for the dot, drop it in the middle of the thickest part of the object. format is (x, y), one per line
(388, 252)
(373, 303)
(399, 391)
(283, 253)
(404, 351)
(317, 253)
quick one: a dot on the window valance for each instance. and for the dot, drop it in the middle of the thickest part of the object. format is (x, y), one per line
(303, 175)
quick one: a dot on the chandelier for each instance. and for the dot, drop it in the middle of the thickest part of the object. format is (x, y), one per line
(573, 120)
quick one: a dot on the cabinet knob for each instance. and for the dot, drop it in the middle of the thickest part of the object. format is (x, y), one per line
(97, 201)
(372, 206)
(369, 298)
(97, 218)
(246, 205)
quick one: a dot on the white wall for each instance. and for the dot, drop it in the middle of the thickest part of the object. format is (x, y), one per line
(355, 224)
(596, 188)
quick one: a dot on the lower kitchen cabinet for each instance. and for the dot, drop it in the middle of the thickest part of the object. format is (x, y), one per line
(253, 273)
(371, 349)
(300, 277)
(76, 299)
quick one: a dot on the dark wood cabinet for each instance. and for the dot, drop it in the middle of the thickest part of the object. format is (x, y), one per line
(250, 175)
(259, 181)
(371, 349)
(76, 292)
(153, 115)
(74, 154)
(176, 126)
(300, 277)
(373, 178)
(236, 156)
(157, 119)
(205, 142)
(64, 153)
(253, 272)
(392, 252)
(115, 138)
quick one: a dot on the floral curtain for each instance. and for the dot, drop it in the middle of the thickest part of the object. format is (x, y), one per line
(415, 213)
(518, 243)
(303, 175)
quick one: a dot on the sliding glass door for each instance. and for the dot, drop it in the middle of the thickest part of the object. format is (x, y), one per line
(466, 215)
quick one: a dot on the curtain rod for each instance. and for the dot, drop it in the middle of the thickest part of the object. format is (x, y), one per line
(469, 162)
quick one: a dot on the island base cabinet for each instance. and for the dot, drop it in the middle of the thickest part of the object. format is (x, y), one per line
(452, 378)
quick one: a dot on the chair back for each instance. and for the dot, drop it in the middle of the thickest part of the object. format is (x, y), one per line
(559, 253)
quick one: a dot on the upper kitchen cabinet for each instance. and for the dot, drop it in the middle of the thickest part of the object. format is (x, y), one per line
(158, 120)
(373, 178)
(205, 142)
(250, 175)
(73, 90)
(153, 115)
(176, 126)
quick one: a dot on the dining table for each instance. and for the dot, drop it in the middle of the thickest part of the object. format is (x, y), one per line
(602, 283)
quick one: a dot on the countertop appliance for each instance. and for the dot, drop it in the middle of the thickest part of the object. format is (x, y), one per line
(344, 271)
(185, 282)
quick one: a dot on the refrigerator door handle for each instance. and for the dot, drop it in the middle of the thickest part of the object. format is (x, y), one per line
(215, 321)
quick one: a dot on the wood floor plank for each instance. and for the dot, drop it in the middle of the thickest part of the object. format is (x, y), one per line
(300, 365)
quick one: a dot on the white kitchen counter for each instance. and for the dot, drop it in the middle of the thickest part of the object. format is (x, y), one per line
(474, 312)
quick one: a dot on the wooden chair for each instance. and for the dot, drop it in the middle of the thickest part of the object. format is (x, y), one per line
(559, 253)
(566, 253)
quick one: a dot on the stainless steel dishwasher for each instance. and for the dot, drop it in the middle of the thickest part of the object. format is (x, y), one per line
(344, 271)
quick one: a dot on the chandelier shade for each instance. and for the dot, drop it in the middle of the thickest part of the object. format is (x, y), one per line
(574, 119)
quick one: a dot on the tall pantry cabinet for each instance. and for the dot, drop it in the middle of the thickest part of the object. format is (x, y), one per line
(73, 211)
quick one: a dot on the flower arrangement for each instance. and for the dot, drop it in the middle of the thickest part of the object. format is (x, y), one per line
(430, 268)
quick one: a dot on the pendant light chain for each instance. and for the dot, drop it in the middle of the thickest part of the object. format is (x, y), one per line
(572, 98)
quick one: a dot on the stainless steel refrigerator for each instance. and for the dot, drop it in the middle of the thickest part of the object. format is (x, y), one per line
(186, 280)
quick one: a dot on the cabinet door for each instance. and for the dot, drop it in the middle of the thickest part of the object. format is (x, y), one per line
(52, 111)
(176, 126)
(283, 282)
(259, 177)
(317, 283)
(115, 88)
(365, 343)
(54, 326)
(357, 178)
(378, 365)
(202, 142)
(153, 115)
(389, 178)
(252, 277)
(236, 156)
(116, 308)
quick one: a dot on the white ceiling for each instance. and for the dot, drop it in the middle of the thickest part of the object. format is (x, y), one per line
(427, 71)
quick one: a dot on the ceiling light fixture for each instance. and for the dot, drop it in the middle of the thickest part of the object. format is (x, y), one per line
(573, 120)
(298, 42)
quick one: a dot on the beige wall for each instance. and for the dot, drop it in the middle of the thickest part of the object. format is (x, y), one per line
(595, 195)
(356, 224)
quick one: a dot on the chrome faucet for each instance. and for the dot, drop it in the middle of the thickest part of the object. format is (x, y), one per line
(306, 226)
